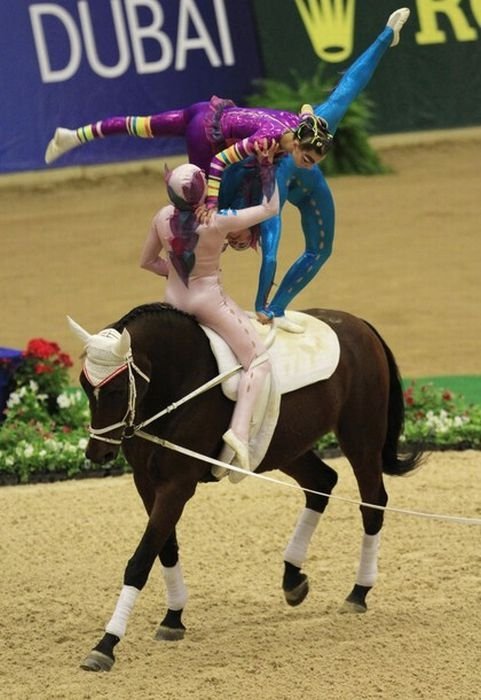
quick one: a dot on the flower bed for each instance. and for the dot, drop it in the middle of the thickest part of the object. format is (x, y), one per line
(44, 432)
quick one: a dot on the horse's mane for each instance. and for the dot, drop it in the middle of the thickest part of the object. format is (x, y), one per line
(144, 309)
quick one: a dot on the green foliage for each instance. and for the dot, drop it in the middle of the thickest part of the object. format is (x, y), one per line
(440, 417)
(351, 152)
(434, 417)
(44, 435)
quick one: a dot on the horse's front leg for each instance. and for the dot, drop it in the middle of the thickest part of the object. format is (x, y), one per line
(368, 473)
(311, 473)
(170, 498)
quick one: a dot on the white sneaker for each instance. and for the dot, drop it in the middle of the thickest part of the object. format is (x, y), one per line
(63, 141)
(286, 325)
(397, 21)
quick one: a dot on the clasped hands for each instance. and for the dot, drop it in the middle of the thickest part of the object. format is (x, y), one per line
(264, 152)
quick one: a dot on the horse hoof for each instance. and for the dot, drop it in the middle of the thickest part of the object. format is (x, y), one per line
(296, 595)
(96, 661)
(350, 607)
(169, 634)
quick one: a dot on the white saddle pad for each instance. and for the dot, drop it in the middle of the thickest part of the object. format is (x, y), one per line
(297, 359)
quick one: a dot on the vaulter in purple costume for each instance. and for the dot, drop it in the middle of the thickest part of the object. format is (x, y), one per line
(219, 134)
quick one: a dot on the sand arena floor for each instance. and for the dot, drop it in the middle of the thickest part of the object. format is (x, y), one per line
(406, 258)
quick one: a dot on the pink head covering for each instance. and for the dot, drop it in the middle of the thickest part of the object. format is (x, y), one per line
(186, 186)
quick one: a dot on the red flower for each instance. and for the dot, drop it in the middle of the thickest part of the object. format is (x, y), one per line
(65, 360)
(447, 396)
(408, 396)
(42, 368)
(43, 349)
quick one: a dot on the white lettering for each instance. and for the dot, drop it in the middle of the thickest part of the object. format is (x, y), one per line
(188, 9)
(89, 39)
(224, 33)
(152, 31)
(48, 74)
(192, 35)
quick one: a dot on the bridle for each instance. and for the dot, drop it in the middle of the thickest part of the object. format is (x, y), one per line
(129, 418)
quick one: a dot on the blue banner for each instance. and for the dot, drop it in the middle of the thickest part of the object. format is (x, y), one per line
(69, 63)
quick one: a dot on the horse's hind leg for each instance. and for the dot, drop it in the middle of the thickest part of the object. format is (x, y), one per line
(368, 472)
(311, 473)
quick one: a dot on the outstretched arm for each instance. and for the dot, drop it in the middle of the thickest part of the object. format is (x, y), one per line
(231, 220)
(238, 151)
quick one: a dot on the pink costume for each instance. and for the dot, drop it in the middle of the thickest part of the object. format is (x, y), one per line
(193, 281)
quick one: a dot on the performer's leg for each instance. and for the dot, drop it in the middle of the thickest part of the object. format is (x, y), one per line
(164, 124)
(270, 233)
(360, 72)
(218, 311)
(270, 237)
(311, 194)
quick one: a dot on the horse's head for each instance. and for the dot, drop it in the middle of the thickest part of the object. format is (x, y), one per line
(114, 385)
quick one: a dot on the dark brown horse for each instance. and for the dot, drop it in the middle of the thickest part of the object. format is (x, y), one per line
(153, 358)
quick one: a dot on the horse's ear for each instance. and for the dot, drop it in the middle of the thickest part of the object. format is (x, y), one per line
(78, 330)
(124, 342)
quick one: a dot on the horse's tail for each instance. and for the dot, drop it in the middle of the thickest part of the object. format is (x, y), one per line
(393, 463)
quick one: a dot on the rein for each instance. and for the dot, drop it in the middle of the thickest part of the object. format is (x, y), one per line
(136, 431)
(460, 520)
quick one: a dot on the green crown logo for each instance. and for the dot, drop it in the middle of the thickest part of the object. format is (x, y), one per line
(330, 27)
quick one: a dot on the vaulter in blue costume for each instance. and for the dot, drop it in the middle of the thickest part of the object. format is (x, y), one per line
(307, 189)
(221, 139)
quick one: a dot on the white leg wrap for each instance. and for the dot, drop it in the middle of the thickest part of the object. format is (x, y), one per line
(296, 551)
(125, 604)
(367, 571)
(177, 594)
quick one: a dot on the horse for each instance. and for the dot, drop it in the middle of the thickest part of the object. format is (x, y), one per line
(162, 355)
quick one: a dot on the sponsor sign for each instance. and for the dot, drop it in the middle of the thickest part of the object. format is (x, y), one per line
(72, 62)
(429, 81)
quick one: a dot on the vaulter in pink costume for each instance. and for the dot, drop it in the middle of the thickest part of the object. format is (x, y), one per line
(219, 134)
(193, 285)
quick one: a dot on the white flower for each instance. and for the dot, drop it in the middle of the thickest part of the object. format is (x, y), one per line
(28, 452)
(82, 443)
(64, 401)
(14, 399)
(33, 385)
(53, 445)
